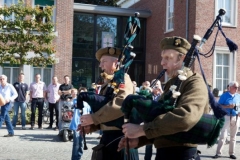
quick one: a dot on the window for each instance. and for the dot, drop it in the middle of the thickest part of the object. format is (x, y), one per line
(46, 74)
(8, 3)
(169, 15)
(42, 4)
(224, 71)
(12, 73)
(230, 18)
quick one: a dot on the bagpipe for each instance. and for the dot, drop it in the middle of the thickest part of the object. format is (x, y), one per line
(207, 130)
(125, 59)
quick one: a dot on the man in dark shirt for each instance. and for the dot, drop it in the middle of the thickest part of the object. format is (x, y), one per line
(65, 95)
(20, 101)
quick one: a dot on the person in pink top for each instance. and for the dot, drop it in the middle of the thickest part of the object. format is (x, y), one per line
(53, 100)
(37, 97)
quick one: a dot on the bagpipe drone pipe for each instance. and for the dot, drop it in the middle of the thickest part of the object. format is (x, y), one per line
(125, 59)
(207, 130)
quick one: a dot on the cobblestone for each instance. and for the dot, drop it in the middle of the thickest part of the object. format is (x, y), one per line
(46, 145)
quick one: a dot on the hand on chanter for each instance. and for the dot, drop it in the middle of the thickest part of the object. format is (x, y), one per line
(86, 120)
(133, 130)
(133, 143)
(87, 129)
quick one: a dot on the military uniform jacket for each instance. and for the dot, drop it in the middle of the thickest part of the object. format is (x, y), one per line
(112, 110)
(191, 105)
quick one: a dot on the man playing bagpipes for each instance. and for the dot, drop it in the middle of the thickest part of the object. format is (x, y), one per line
(103, 118)
(190, 106)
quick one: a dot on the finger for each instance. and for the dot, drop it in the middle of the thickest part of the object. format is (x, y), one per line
(123, 126)
(121, 144)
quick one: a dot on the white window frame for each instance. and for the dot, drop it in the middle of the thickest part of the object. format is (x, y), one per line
(2, 3)
(232, 66)
(167, 18)
(54, 13)
(233, 14)
(42, 74)
(10, 79)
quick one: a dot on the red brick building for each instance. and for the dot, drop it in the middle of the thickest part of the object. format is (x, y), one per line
(185, 18)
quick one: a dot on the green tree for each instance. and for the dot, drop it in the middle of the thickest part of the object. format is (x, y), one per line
(99, 2)
(26, 33)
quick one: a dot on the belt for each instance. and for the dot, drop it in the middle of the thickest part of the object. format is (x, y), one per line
(37, 98)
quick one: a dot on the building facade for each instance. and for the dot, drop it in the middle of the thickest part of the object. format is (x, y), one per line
(81, 30)
(186, 18)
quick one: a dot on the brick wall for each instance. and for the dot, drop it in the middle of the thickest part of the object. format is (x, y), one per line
(63, 43)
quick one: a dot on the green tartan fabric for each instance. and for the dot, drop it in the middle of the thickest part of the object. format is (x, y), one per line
(206, 131)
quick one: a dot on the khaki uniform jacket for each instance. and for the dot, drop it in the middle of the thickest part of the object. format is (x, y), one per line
(112, 110)
(191, 105)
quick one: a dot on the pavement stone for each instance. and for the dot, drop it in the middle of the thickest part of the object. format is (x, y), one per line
(46, 145)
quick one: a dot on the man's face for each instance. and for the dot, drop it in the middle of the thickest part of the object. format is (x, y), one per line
(37, 78)
(3, 80)
(66, 80)
(54, 80)
(147, 83)
(108, 64)
(170, 61)
(21, 77)
(233, 89)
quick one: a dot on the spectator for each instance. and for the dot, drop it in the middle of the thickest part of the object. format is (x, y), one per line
(53, 100)
(20, 101)
(37, 96)
(158, 84)
(146, 86)
(77, 149)
(65, 96)
(9, 94)
(136, 88)
(229, 100)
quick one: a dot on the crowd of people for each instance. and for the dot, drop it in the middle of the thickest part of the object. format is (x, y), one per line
(54, 95)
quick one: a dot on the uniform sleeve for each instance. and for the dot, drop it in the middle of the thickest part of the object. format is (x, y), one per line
(112, 110)
(190, 107)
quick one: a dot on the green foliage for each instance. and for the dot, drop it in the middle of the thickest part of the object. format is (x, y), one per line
(26, 34)
(112, 3)
(28, 116)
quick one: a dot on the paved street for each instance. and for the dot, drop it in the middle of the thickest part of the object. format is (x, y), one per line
(46, 145)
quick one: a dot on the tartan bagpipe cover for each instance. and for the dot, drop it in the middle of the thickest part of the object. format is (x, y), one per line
(206, 131)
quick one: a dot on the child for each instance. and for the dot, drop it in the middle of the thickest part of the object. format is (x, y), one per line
(77, 149)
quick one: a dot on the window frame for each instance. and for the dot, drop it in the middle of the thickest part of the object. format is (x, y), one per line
(232, 66)
(233, 15)
(53, 16)
(167, 18)
(12, 18)
(42, 74)
(11, 67)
